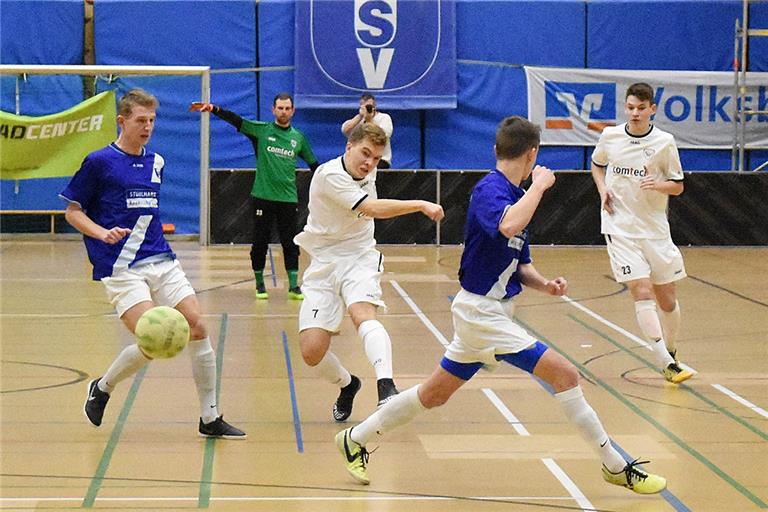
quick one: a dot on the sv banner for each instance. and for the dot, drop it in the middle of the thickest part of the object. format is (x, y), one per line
(55, 145)
(403, 52)
(572, 106)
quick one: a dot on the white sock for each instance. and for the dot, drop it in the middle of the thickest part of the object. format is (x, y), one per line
(128, 362)
(331, 370)
(648, 319)
(204, 372)
(670, 321)
(584, 418)
(378, 347)
(398, 411)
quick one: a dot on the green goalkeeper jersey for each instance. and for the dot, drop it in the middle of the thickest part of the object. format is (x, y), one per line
(276, 152)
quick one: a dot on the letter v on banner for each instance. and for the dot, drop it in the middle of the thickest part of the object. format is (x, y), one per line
(375, 73)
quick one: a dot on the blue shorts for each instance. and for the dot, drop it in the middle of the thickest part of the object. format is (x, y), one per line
(525, 360)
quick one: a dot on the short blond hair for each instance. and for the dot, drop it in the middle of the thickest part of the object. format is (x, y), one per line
(136, 97)
(370, 131)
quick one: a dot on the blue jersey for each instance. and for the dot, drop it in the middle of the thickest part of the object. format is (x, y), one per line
(115, 189)
(489, 261)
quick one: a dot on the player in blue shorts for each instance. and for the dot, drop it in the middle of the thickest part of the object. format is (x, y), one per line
(114, 201)
(495, 265)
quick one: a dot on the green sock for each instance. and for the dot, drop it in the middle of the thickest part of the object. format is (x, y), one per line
(259, 277)
(293, 278)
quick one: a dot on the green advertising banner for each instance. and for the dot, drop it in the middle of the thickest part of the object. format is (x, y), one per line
(55, 145)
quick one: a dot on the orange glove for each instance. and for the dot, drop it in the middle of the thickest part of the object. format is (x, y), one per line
(197, 106)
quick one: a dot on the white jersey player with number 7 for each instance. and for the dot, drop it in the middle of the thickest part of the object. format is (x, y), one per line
(636, 167)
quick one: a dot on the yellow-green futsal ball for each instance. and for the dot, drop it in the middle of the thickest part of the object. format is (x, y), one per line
(162, 332)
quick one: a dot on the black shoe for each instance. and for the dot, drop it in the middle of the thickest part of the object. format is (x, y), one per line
(343, 406)
(220, 429)
(387, 390)
(295, 293)
(95, 403)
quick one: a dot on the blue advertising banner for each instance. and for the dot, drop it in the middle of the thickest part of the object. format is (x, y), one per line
(403, 52)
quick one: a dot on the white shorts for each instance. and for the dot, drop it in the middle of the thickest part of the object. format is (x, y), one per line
(483, 327)
(162, 282)
(636, 258)
(331, 286)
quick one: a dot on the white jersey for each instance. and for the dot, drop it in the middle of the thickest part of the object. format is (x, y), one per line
(334, 227)
(627, 159)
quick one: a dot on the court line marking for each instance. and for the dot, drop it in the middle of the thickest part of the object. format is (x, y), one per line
(648, 418)
(684, 386)
(615, 327)
(569, 485)
(558, 473)
(742, 401)
(292, 389)
(426, 321)
(504, 410)
(204, 494)
(293, 498)
(106, 455)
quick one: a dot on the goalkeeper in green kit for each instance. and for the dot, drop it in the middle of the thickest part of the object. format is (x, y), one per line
(274, 197)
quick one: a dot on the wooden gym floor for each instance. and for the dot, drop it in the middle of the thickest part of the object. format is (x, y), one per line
(501, 443)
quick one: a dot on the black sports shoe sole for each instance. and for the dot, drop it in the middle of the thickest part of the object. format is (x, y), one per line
(87, 397)
(343, 418)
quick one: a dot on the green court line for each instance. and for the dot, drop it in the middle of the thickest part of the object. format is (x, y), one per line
(204, 495)
(634, 408)
(106, 456)
(689, 389)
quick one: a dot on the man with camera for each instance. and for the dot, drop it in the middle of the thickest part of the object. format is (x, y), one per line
(369, 114)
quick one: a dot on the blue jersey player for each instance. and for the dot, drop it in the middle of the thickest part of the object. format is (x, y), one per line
(495, 265)
(114, 201)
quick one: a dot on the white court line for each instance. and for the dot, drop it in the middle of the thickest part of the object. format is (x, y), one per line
(561, 476)
(422, 316)
(504, 410)
(615, 327)
(742, 401)
(571, 487)
(292, 498)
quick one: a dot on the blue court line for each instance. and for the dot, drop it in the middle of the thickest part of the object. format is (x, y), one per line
(272, 267)
(292, 387)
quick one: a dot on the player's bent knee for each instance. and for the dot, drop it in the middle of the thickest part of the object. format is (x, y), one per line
(566, 378)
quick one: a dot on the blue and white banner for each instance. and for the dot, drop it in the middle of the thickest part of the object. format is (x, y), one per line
(403, 52)
(573, 105)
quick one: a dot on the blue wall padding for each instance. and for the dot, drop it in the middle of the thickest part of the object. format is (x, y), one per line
(41, 95)
(183, 33)
(660, 34)
(39, 194)
(276, 32)
(622, 34)
(41, 32)
(235, 92)
(463, 138)
(522, 32)
(705, 160)
(758, 46)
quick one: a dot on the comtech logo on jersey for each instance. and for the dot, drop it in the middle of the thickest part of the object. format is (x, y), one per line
(592, 104)
(393, 44)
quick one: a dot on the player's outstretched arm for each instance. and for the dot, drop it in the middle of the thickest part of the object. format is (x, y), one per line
(81, 222)
(230, 117)
(388, 208)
